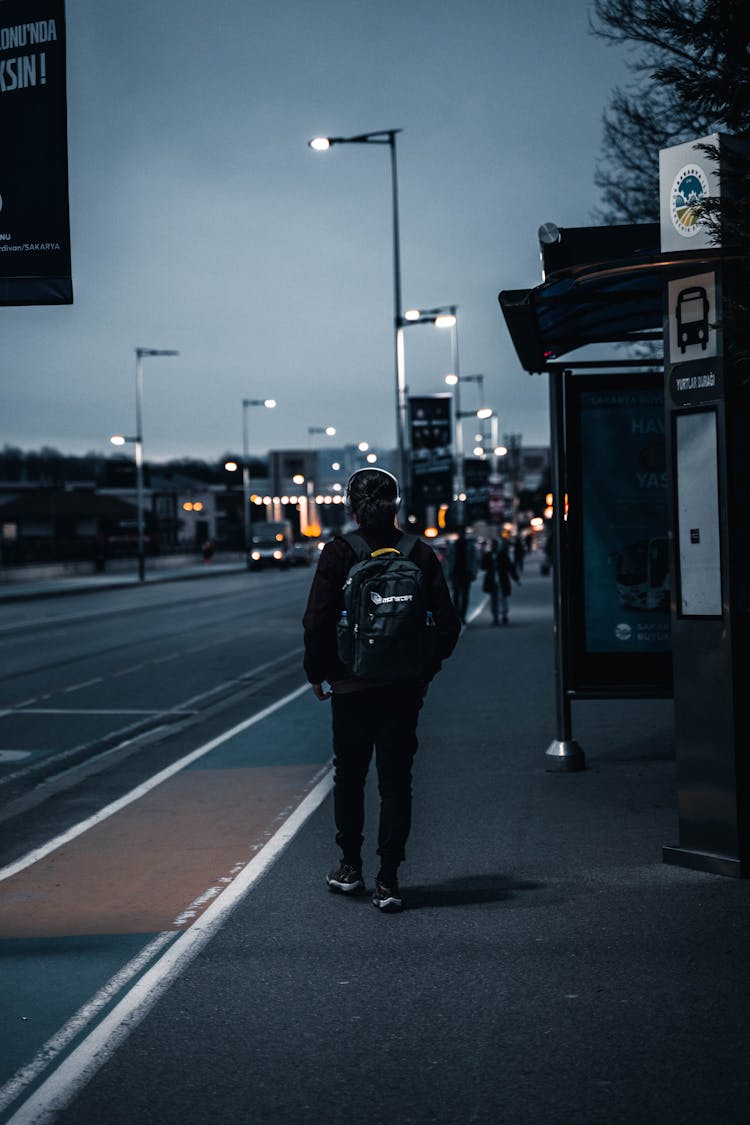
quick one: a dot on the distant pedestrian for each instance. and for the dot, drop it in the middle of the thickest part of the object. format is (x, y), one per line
(519, 553)
(371, 714)
(208, 550)
(462, 570)
(499, 569)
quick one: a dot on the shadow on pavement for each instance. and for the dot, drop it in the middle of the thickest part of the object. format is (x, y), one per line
(469, 890)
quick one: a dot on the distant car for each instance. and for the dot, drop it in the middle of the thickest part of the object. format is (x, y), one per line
(302, 553)
(270, 545)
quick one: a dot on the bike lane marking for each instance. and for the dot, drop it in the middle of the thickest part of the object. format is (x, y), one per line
(81, 912)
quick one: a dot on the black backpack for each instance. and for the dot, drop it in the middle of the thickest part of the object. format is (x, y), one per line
(386, 631)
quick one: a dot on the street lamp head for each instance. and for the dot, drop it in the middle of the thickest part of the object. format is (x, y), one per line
(485, 412)
(155, 351)
(320, 144)
(231, 466)
(117, 439)
(446, 320)
(330, 431)
(298, 479)
(269, 403)
(451, 380)
(412, 314)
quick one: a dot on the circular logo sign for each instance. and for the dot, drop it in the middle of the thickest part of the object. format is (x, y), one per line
(689, 187)
(623, 632)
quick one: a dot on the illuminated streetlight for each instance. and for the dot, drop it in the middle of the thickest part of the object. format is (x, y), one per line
(386, 137)
(269, 404)
(137, 440)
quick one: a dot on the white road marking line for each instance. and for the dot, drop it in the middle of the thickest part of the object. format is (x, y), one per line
(140, 790)
(127, 671)
(164, 659)
(92, 711)
(103, 1040)
(86, 683)
(46, 1054)
(478, 609)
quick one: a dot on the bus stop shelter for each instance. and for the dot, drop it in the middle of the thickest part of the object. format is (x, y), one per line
(614, 421)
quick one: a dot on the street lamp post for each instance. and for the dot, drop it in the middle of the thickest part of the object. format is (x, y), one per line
(269, 404)
(445, 316)
(311, 510)
(455, 380)
(513, 443)
(140, 353)
(386, 137)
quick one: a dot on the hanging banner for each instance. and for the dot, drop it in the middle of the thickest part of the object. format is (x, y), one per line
(477, 489)
(431, 433)
(34, 216)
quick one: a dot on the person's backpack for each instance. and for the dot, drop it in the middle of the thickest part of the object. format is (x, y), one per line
(386, 631)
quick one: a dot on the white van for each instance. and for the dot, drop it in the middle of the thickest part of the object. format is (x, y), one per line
(271, 544)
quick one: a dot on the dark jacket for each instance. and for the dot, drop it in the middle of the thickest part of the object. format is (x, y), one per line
(326, 601)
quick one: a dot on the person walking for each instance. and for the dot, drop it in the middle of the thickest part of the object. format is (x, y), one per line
(499, 568)
(462, 570)
(368, 714)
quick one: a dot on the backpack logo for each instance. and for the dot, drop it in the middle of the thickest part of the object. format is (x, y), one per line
(379, 600)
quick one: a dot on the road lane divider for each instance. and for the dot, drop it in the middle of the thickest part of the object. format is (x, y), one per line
(114, 740)
(209, 794)
(54, 1046)
(103, 1040)
(139, 791)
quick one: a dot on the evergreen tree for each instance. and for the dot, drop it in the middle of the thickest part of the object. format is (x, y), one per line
(691, 77)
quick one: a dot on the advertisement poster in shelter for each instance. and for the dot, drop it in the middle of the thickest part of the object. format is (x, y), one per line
(623, 520)
(34, 212)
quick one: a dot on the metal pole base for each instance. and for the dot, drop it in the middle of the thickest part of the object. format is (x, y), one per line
(564, 756)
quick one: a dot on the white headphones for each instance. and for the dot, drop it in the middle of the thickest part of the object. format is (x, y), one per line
(396, 500)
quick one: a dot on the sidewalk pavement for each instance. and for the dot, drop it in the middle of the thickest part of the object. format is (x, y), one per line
(24, 590)
(549, 968)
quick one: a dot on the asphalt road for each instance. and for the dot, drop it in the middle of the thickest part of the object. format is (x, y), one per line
(149, 749)
(85, 674)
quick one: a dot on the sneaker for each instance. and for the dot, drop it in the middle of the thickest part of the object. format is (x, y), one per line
(387, 897)
(346, 879)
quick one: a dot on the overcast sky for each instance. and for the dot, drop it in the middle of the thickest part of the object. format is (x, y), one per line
(201, 221)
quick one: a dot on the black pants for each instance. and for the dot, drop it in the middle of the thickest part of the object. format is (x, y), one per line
(461, 588)
(383, 718)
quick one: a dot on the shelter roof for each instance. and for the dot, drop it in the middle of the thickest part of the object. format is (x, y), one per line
(601, 285)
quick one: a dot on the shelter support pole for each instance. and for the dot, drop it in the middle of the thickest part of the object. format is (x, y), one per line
(563, 754)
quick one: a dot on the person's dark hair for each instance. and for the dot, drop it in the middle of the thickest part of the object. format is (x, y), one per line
(373, 497)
